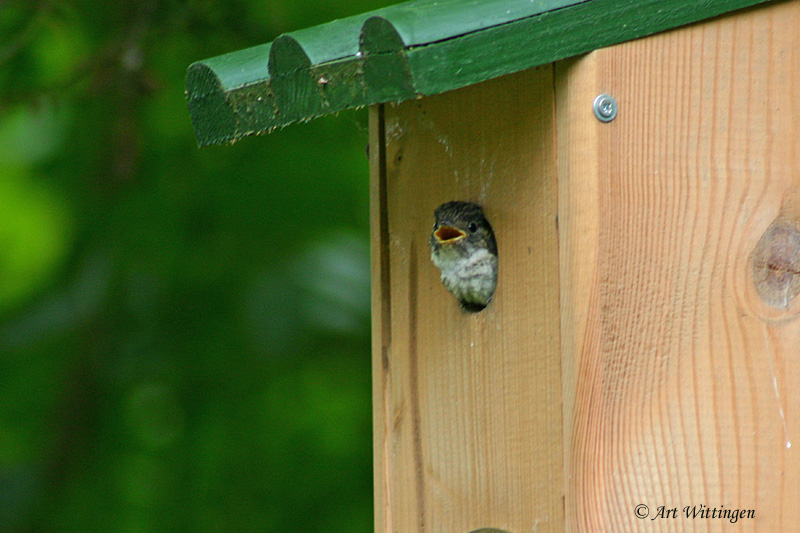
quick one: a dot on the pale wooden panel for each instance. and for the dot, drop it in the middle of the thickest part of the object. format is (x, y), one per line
(467, 407)
(681, 380)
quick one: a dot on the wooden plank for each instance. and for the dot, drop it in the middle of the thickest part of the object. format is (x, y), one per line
(467, 407)
(381, 313)
(550, 36)
(681, 377)
(214, 96)
(435, 45)
(425, 22)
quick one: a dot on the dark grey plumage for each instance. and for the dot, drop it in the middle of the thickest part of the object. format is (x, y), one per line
(464, 249)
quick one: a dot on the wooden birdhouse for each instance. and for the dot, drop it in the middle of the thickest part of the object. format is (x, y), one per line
(638, 367)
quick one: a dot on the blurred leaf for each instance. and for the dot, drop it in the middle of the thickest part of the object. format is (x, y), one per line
(31, 133)
(155, 415)
(333, 275)
(59, 50)
(35, 230)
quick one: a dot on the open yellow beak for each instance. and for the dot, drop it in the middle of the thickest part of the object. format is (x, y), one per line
(449, 235)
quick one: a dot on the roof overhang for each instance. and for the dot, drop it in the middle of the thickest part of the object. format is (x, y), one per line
(409, 50)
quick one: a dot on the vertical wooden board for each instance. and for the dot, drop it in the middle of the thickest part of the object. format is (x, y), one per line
(468, 406)
(681, 377)
(381, 300)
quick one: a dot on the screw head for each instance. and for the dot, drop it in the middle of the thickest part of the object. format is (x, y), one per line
(605, 108)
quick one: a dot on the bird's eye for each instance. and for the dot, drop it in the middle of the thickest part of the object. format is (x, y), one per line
(435, 226)
(472, 227)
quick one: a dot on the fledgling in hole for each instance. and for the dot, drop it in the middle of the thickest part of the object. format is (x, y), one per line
(464, 249)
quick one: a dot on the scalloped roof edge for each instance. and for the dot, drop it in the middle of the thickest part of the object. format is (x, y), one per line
(414, 49)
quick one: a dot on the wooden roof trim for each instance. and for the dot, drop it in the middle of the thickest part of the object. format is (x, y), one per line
(414, 49)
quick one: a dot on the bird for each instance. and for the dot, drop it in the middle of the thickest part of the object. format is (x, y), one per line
(464, 250)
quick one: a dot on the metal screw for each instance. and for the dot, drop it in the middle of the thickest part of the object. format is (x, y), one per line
(605, 108)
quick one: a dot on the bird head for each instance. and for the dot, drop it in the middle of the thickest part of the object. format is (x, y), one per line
(464, 224)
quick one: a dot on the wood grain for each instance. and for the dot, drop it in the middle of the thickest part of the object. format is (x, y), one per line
(672, 283)
(681, 380)
(467, 407)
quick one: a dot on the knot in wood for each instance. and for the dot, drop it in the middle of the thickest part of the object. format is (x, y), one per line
(776, 264)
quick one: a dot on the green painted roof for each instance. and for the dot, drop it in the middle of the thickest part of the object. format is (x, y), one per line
(417, 48)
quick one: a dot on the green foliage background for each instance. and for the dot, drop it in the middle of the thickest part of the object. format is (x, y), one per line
(184, 333)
